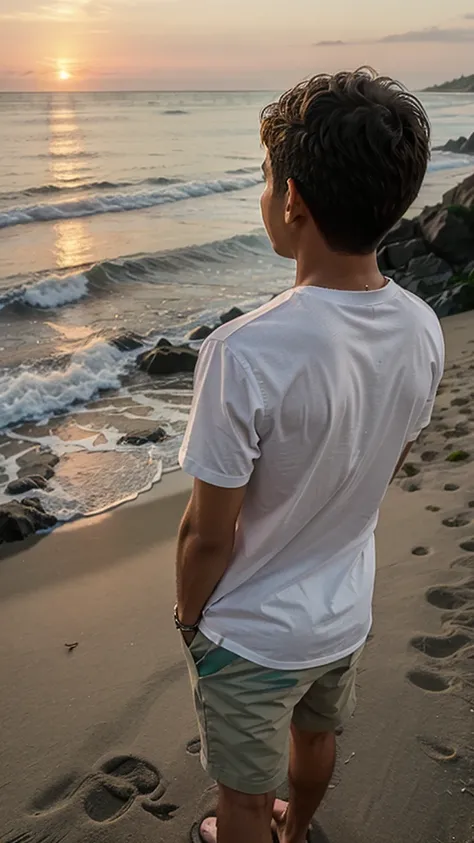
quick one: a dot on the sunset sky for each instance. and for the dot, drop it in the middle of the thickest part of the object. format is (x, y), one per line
(226, 44)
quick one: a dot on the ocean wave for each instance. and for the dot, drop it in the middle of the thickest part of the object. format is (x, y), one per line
(48, 292)
(176, 111)
(57, 291)
(31, 395)
(120, 202)
(81, 185)
(449, 161)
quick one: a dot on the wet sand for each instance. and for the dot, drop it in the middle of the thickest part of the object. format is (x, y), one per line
(98, 733)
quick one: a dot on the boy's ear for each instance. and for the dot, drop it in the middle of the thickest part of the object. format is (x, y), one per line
(295, 207)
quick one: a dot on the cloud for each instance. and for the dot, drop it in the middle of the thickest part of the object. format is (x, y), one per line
(330, 44)
(433, 35)
(469, 16)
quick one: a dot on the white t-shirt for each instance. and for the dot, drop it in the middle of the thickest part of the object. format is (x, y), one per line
(310, 400)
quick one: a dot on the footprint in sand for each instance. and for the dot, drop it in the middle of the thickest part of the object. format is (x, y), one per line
(429, 456)
(461, 520)
(468, 545)
(450, 597)
(435, 683)
(450, 487)
(193, 747)
(109, 791)
(420, 551)
(440, 646)
(438, 751)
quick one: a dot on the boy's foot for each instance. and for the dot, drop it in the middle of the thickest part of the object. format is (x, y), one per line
(279, 816)
(208, 827)
(208, 830)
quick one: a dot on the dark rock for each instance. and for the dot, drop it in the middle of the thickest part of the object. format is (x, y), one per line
(469, 269)
(429, 266)
(18, 487)
(452, 145)
(462, 194)
(455, 299)
(425, 275)
(400, 254)
(200, 333)
(168, 360)
(164, 343)
(127, 342)
(468, 147)
(19, 520)
(449, 237)
(463, 146)
(231, 314)
(403, 230)
(37, 462)
(141, 437)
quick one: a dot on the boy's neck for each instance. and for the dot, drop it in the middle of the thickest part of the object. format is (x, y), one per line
(340, 272)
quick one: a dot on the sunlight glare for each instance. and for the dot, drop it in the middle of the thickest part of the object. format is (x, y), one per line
(64, 75)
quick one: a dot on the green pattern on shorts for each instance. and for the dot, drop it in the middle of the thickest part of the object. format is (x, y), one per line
(214, 661)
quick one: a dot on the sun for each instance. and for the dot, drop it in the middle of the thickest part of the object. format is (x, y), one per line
(63, 75)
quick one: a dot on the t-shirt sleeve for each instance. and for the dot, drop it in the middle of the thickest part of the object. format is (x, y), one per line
(437, 371)
(221, 443)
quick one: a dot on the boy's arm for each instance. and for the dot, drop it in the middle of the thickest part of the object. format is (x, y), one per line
(220, 449)
(205, 545)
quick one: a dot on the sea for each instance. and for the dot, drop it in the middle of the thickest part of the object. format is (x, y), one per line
(131, 212)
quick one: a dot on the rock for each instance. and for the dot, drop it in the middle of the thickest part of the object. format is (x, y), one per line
(231, 314)
(200, 333)
(462, 194)
(141, 437)
(399, 254)
(448, 236)
(468, 147)
(463, 146)
(452, 145)
(403, 230)
(127, 342)
(429, 266)
(37, 462)
(469, 269)
(168, 360)
(164, 343)
(18, 487)
(425, 275)
(21, 519)
(456, 299)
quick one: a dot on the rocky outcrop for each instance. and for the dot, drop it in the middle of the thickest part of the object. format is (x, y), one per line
(433, 255)
(231, 314)
(462, 146)
(26, 484)
(204, 331)
(127, 342)
(18, 520)
(448, 236)
(37, 462)
(201, 333)
(142, 437)
(168, 360)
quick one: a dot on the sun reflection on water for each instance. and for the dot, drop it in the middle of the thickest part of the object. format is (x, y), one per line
(69, 169)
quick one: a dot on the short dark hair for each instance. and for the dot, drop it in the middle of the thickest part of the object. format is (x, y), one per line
(357, 146)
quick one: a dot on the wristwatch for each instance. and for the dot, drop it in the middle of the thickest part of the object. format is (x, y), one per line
(182, 627)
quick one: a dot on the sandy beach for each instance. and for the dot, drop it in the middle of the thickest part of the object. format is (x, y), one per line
(97, 725)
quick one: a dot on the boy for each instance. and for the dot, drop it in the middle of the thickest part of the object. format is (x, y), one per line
(303, 411)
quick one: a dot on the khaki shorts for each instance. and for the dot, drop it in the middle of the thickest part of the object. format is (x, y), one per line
(245, 711)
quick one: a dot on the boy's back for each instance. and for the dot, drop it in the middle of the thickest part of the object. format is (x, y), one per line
(332, 386)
